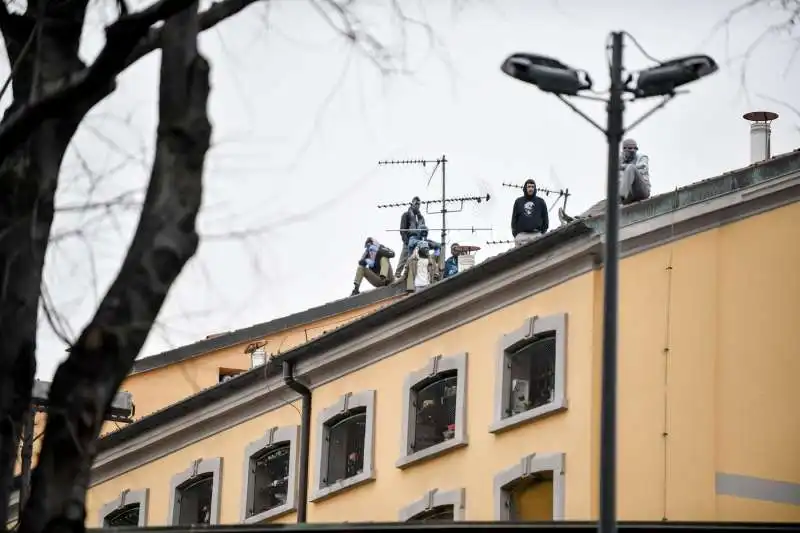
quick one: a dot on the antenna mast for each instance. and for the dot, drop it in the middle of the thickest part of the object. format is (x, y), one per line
(442, 161)
(560, 193)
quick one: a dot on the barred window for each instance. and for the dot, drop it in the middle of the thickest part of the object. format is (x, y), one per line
(441, 513)
(533, 371)
(346, 438)
(194, 500)
(127, 515)
(270, 485)
(434, 403)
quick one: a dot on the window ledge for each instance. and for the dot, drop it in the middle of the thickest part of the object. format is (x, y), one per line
(556, 406)
(269, 514)
(431, 452)
(339, 486)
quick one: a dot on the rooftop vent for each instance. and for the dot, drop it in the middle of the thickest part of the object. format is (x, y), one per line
(760, 134)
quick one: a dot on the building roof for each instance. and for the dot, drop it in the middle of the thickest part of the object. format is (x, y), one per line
(259, 331)
(660, 204)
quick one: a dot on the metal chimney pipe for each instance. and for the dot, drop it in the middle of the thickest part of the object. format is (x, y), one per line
(760, 134)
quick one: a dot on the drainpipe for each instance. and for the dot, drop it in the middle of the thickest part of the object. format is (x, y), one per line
(305, 437)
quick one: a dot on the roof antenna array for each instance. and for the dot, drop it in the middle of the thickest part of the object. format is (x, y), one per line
(443, 201)
(559, 193)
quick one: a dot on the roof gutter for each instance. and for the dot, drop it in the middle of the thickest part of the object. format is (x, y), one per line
(305, 437)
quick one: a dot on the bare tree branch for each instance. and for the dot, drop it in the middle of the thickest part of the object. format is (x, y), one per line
(121, 38)
(165, 239)
(218, 12)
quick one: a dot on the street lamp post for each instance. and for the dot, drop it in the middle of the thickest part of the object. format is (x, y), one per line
(554, 77)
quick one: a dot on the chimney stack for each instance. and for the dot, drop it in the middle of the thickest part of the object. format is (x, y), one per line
(760, 133)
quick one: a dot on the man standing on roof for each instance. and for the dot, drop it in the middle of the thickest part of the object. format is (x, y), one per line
(411, 220)
(422, 267)
(529, 219)
(374, 266)
(634, 181)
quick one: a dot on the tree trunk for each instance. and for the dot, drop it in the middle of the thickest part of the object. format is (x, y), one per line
(165, 239)
(28, 180)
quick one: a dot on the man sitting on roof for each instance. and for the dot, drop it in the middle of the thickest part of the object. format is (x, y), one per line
(374, 266)
(634, 181)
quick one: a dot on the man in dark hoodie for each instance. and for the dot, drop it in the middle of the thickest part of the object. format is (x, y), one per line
(529, 218)
(409, 222)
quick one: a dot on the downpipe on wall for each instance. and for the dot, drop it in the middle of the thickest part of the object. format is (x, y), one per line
(305, 437)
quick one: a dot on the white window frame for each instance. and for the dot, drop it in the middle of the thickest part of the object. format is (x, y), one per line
(515, 340)
(436, 498)
(436, 365)
(198, 467)
(276, 436)
(126, 497)
(529, 465)
(366, 400)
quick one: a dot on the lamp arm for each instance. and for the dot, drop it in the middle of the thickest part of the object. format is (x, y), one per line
(664, 101)
(581, 113)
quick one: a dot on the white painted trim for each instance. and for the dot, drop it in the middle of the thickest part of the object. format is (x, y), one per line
(126, 497)
(274, 437)
(531, 464)
(434, 368)
(436, 498)
(198, 467)
(345, 405)
(529, 332)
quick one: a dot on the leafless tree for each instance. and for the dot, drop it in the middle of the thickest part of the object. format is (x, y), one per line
(53, 90)
(787, 27)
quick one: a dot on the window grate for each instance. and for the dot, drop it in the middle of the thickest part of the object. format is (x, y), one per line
(440, 513)
(346, 438)
(125, 516)
(194, 500)
(532, 375)
(270, 478)
(434, 404)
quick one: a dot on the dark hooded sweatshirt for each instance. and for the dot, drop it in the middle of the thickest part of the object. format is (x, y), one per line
(529, 214)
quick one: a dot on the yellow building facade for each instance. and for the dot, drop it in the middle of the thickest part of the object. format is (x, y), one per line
(478, 397)
(161, 380)
(164, 379)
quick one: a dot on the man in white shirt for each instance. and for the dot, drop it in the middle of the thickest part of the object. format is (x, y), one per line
(634, 182)
(421, 267)
(634, 174)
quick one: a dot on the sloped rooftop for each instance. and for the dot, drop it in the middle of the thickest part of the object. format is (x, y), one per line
(657, 205)
(264, 329)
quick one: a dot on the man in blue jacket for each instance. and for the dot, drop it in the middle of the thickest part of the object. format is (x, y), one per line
(529, 219)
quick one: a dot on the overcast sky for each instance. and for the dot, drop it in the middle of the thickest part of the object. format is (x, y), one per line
(301, 118)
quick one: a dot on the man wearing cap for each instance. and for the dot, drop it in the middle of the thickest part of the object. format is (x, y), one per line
(411, 220)
(634, 181)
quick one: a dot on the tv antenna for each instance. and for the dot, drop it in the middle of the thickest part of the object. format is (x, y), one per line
(560, 193)
(493, 243)
(444, 201)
